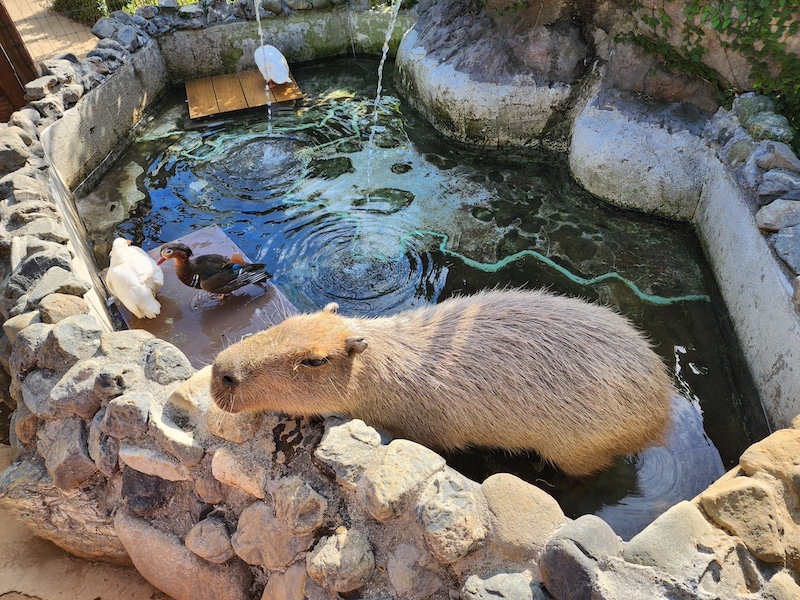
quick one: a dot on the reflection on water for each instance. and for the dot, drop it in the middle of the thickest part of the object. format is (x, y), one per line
(417, 219)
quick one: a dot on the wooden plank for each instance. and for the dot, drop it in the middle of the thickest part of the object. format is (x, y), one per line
(287, 91)
(229, 93)
(201, 98)
(253, 85)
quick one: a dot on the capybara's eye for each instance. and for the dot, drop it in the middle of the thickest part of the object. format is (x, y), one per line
(314, 362)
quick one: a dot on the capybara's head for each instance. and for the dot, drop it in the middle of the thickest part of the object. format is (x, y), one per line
(300, 366)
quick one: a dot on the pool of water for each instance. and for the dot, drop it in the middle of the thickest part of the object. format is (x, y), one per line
(410, 218)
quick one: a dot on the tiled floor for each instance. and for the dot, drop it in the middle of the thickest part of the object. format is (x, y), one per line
(47, 33)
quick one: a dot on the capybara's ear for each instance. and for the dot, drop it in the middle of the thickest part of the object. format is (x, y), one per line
(331, 307)
(355, 345)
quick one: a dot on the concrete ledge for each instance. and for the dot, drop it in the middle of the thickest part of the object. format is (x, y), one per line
(757, 293)
(229, 48)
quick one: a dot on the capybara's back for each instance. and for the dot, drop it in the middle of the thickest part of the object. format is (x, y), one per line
(574, 381)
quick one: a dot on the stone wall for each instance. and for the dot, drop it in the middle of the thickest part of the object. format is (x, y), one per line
(122, 457)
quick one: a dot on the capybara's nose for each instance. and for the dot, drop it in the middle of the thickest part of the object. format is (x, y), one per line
(229, 380)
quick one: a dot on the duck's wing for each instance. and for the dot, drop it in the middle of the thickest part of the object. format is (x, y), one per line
(148, 271)
(233, 277)
(272, 64)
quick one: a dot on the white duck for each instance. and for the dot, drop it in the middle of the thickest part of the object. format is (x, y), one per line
(272, 64)
(134, 278)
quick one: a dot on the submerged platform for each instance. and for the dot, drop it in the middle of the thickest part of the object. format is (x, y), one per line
(226, 93)
(197, 323)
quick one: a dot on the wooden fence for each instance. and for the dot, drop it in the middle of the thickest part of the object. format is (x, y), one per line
(16, 66)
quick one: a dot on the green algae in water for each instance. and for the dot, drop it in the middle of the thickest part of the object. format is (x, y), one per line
(417, 218)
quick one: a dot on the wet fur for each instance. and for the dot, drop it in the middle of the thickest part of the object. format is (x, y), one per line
(519, 370)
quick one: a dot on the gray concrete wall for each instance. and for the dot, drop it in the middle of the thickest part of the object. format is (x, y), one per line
(228, 48)
(757, 293)
(87, 133)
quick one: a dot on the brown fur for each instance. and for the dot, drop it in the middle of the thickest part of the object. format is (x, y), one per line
(511, 369)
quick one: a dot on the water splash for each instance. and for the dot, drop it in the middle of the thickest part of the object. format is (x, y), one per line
(384, 54)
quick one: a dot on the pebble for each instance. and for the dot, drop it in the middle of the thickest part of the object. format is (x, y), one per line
(299, 505)
(746, 507)
(387, 485)
(240, 471)
(210, 540)
(152, 462)
(263, 539)
(343, 561)
(453, 516)
(523, 516)
(348, 448)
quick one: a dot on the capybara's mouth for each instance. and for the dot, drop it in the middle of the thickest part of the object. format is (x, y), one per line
(224, 398)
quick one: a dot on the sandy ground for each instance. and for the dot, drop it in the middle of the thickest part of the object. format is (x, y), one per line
(32, 568)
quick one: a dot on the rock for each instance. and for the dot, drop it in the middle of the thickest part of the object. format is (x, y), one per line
(193, 396)
(103, 449)
(58, 281)
(524, 516)
(114, 379)
(620, 579)
(19, 188)
(299, 505)
(36, 393)
(239, 471)
(13, 153)
(128, 37)
(144, 494)
(12, 326)
(289, 585)
(57, 307)
(262, 539)
(50, 107)
(208, 488)
(24, 423)
(776, 155)
(411, 573)
(777, 455)
(782, 586)
(152, 463)
(770, 126)
(71, 93)
(66, 456)
(787, 246)
(606, 148)
(569, 563)
(750, 104)
(453, 516)
(165, 364)
(69, 341)
(502, 586)
(746, 507)
(387, 485)
(778, 182)
(61, 69)
(778, 214)
(147, 12)
(210, 539)
(125, 346)
(27, 346)
(40, 87)
(190, 11)
(299, 4)
(165, 562)
(796, 292)
(127, 415)
(670, 541)
(238, 428)
(341, 562)
(175, 440)
(348, 449)
(74, 393)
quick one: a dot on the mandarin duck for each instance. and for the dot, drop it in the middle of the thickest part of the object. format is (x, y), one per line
(272, 64)
(216, 274)
(134, 278)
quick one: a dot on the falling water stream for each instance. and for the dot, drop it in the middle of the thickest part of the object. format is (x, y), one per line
(380, 219)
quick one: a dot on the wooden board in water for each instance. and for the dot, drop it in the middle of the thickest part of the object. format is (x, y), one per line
(200, 325)
(226, 93)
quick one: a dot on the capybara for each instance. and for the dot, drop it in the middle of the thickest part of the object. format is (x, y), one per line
(513, 369)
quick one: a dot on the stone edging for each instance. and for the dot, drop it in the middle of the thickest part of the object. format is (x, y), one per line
(109, 419)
